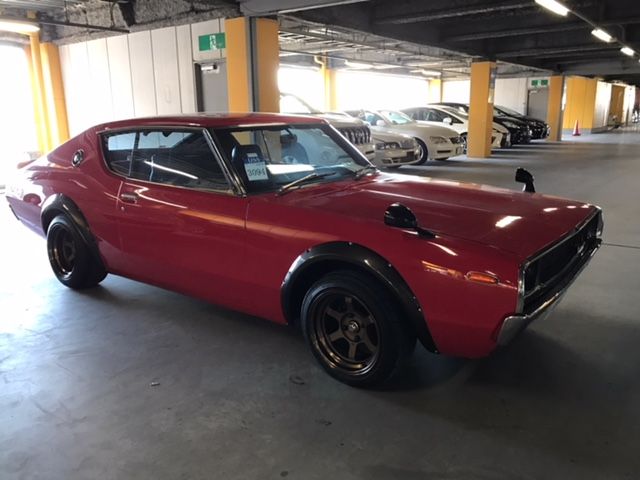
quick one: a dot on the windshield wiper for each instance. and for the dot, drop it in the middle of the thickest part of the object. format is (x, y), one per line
(307, 178)
(363, 171)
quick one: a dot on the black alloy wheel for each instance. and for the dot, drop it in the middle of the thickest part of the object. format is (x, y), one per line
(354, 329)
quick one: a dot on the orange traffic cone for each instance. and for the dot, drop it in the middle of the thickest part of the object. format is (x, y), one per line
(576, 129)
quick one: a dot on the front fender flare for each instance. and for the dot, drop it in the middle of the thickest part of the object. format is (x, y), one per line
(363, 259)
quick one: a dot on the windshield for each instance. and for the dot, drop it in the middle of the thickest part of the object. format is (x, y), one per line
(292, 104)
(395, 117)
(266, 158)
(456, 112)
(507, 111)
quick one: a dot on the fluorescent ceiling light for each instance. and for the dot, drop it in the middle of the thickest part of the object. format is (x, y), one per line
(627, 51)
(554, 6)
(18, 26)
(351, 64)
(427, 73)
(602, 35)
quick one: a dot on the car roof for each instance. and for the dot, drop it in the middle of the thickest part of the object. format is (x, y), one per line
(206, 120)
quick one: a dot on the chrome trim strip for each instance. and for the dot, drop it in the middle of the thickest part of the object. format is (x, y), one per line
(514, 324)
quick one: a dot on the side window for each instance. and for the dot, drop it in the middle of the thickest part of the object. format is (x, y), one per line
(118, 150)
(169, 157)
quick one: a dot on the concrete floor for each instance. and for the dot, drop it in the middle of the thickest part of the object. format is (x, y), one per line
(239, 398)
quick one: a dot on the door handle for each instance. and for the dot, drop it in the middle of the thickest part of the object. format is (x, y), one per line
(129, 197)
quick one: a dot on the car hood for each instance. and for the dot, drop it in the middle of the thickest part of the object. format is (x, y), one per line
(512, 221)
(419, 129)
(339, 121)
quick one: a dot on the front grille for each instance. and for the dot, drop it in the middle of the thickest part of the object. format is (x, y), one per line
(356, 135)
(551, 271)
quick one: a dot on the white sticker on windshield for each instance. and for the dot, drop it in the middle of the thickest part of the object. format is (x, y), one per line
(255, 167)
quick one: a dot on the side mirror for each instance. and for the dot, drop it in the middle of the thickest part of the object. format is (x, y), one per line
(447, 120)
(380, 123)
(525, 176)
(400, 216)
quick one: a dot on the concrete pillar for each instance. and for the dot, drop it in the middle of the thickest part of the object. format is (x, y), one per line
(580, 104)
(554, 108)
(481, 109)
(252, 64)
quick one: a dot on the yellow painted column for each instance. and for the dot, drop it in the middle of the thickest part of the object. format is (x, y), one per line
(435, 90)
(37, 90)
(616, 104)
(554, 108)
(580, 104)
(330, 91)
(54, 94)
(252, 64)
(481, 109)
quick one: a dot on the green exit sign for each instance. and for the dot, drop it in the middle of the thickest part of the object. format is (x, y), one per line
(540, 83)
(212, 41)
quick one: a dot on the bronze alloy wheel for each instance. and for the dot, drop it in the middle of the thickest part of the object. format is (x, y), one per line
(345, 332)
(62, 252)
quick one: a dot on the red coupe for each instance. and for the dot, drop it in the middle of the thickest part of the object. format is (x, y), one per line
(281, 217)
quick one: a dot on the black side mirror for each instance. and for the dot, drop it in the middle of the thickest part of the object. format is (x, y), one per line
(401, 216)
(525, 176)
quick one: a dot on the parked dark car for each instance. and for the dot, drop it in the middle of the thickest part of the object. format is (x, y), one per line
(539, 128)
(520, 130)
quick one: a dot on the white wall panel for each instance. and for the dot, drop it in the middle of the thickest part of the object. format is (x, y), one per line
(456, 91)
(204, 28)
(101, 103)
(603, 102)
(78, 88)
(142, 79)
(512, 93)
(165, 70)
(185, 69)
(120, 75)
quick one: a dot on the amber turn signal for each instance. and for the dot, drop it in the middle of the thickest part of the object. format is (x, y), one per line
(482, 277)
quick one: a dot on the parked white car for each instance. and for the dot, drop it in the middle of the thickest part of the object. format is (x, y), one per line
(394, 150)
(435, 141)
(459, 121)
(353, 129)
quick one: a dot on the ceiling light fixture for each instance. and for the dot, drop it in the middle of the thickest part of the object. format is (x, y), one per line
(357, 65)
(427, 73)
(554, 6)
(627, 51)
(18, 26)
(602, 35)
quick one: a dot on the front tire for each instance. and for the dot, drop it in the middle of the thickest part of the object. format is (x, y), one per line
(71, 260)
(354, 330)
(423, 152)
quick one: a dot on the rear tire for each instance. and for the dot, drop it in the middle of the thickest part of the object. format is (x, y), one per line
(423, 155)
(354, 329)
(71, 260)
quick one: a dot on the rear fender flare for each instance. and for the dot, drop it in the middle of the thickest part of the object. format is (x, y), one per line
(61, 204)
(363, 259)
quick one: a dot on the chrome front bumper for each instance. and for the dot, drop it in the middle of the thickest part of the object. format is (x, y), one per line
(514, 324)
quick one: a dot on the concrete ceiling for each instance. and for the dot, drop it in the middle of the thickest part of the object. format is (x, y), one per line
(515, 31)
(444, 35)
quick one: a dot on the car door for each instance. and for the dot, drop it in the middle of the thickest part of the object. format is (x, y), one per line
(180, 223)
